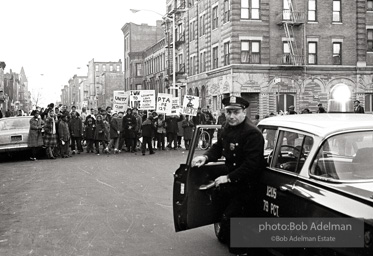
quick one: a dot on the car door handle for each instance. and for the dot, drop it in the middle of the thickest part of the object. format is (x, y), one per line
(208, 186)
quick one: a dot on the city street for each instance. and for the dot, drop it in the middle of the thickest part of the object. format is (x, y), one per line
(95, 205)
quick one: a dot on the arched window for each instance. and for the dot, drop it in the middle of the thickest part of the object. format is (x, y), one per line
(190, 91)
(196, 92)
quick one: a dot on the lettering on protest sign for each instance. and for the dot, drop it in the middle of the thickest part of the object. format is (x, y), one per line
(190, 105)
(120, 101)
(175, 110)
(164, 103)
(142, 99)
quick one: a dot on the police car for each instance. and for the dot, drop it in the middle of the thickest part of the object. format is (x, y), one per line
(319, 165)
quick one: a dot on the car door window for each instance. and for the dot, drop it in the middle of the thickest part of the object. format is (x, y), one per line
(346, 156)
(292, 150)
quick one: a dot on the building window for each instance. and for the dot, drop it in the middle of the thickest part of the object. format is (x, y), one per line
(337, 17)
(111, 68)
(312, 15)
(337, 53)
(226, 11)
(138, 69)
(195, 66)
(181, 32)
(286, 13)
(215, 17)
(369, 5)
(369, 102)
(312, 53)
(103, 68)
(215, 58)
(191, 66)
(286, 57)
(250, 51)
(284, 101)
(370, 40)
(96, 68)
(201, 62)
(202, 25)
(226, 54)
(250, 9)
(118, 68)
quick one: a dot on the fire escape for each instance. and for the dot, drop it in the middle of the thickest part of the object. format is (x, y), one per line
(291, 21)
(179, 34)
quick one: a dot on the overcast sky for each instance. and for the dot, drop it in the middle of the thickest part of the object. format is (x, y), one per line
(56, 37)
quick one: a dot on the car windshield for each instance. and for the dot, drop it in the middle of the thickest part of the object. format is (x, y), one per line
(14, 123)
(347, 156)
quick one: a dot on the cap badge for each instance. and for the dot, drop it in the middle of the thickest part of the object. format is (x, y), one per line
(232, 99)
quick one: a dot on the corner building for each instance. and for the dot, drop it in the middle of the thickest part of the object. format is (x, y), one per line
(277, 53)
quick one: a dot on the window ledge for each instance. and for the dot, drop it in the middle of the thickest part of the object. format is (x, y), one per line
(246, 20)
(312, 22)
(369, 52)
(337, 23)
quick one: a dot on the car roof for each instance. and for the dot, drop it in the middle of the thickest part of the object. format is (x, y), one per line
(321, 124)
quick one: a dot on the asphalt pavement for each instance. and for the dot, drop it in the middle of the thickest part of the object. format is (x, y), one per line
(95, 205)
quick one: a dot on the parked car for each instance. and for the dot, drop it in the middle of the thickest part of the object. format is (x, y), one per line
(14, 133)
(319, 165)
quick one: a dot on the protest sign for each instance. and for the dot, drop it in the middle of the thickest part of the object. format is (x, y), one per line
(142, 99)
(147, 100)
(120, 101)
(164, 103)
(175, 110)
(190, 105)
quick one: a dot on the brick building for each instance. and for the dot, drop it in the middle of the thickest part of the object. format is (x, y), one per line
(276, 53)
(143, 55)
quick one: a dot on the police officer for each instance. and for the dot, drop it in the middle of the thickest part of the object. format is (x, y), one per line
(242, 145)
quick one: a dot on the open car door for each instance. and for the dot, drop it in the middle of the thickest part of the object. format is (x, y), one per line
(193, 202)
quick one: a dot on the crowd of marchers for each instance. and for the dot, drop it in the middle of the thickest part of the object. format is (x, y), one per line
(63, 132)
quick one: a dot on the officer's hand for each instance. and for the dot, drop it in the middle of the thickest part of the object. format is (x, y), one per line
(198, 161)
(221, 180)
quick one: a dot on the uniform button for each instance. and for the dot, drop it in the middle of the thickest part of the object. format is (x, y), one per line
(234, 154)
(223, 149)
(234, 164)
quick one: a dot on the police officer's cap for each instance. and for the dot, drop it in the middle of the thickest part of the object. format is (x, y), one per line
(357, 101)
(234, 102)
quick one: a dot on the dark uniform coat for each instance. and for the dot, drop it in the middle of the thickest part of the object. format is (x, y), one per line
(243, 147)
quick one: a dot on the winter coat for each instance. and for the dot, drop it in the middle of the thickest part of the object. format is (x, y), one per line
(50, 138)
(147, 128)
(35, 138)
(100, 131)
(172, 126)
(161, 126)
(188, 129)
(89, 132)
(76, 127)
(114, 128)
(180, 131)
(129, 126)
(138, 123)
(63, 131)
(107, 130)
